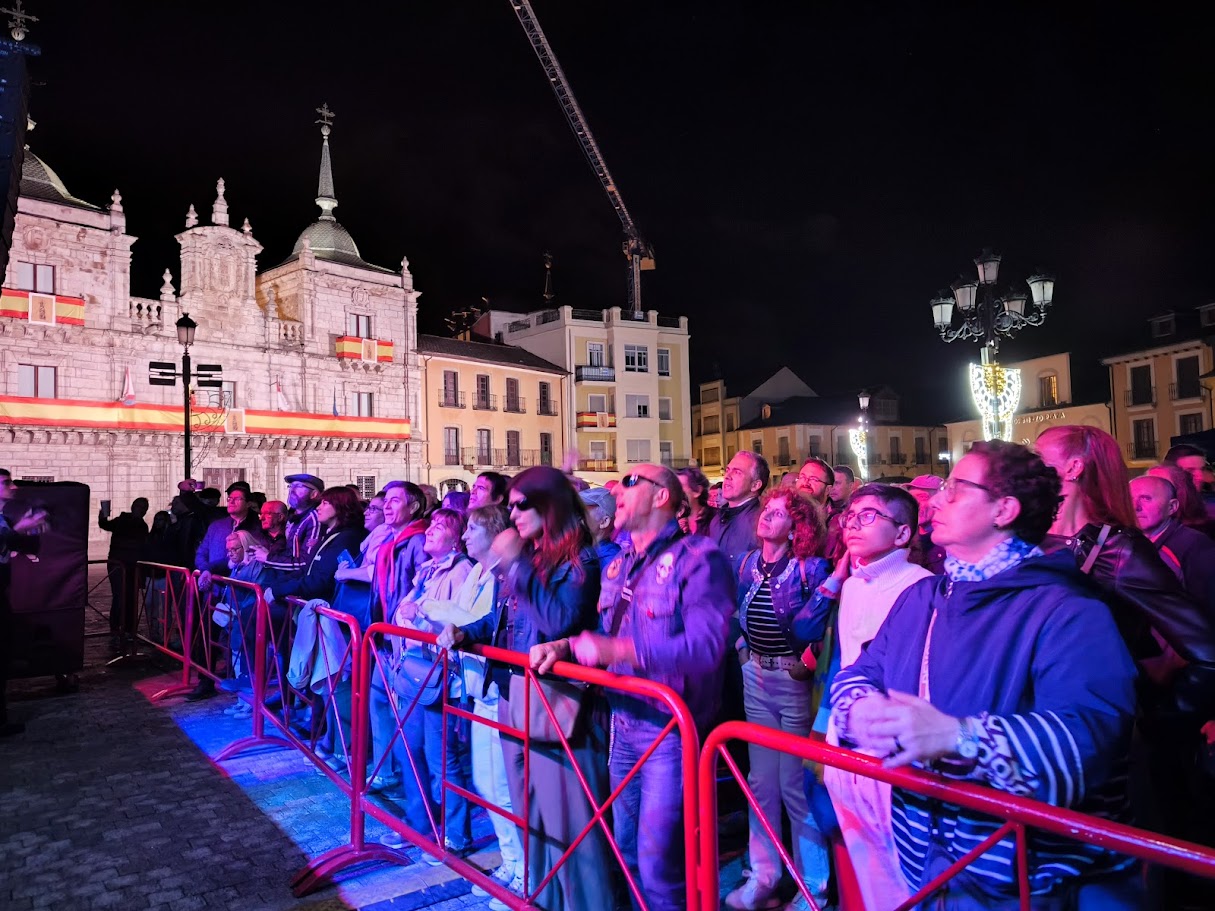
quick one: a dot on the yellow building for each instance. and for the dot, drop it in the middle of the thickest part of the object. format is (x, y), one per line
(715, 423)
(1158, 392)
(1046, 402)
(630, 399)
(488, 407)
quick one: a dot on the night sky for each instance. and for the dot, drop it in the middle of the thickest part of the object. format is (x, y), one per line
(809, 174)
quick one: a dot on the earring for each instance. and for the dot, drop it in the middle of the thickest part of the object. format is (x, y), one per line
(790, 536)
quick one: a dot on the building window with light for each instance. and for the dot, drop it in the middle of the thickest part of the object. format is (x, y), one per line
(664, 361)
(636, 359)
(358, 325)
(359, 405)
(35, 381)
(35, 277)
(1048, 390)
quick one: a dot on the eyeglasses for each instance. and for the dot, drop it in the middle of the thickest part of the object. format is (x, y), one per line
(374, 509)
(864, 518)
(806, 482)
(632, 480)
(235, 550)
(950, 488)
(523, 504)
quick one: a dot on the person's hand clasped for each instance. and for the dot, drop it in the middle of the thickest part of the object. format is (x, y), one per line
(260, 553)
(449, 636)
(597, 650)
(543, 656)
(903, 727)
(406, 610)
(34, 522)
(204, 579)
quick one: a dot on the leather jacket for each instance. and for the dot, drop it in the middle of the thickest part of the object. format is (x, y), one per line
(1143, 594)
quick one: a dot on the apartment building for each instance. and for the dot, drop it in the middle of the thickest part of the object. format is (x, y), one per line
(629, 400)
(488, 407)
(1158, 391)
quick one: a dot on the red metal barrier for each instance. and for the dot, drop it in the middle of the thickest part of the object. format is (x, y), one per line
(259, 644)
(1021, 814)
(681, 721)
(176, 622)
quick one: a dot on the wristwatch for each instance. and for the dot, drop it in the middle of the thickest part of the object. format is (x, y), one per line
(968, 742)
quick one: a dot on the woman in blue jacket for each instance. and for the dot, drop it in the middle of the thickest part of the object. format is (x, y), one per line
(780, 616)
(1006, 672)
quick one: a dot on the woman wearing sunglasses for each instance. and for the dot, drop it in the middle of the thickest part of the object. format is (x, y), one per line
(1006, 672)
(777, 583)
(550, 591)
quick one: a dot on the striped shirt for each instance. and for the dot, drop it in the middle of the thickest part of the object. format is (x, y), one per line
(764, 636)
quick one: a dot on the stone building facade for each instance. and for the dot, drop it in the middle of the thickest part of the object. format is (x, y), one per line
(318, 354)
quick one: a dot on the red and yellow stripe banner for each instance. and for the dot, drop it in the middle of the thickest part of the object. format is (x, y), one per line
(47, 308)
(74, 413)
(351, 346)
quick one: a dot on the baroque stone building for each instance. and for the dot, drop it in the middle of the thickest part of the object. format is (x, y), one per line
(320, 372)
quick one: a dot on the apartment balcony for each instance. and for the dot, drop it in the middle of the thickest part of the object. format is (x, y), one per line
(515, 405)
(485, 402)
(474, 457)
(450, 399)
(898, 459)
(1143, 451)
(1145, 395)
(594, 374)
(1187, 390)
(547, 409)
(596, 464)
(596, 420)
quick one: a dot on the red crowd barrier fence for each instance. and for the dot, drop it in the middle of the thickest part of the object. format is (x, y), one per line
(1020, 814)
(376, 666)
(164, 617)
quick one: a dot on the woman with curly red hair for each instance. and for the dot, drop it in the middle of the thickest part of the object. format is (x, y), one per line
(780, 616)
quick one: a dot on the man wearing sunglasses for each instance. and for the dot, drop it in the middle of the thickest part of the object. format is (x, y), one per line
(664, 611)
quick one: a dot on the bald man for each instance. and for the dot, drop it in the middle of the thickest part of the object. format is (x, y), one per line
(1189, 553)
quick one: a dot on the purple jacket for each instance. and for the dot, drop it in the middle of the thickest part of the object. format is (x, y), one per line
(678, 618)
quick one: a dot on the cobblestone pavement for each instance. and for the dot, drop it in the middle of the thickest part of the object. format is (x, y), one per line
(111, 801)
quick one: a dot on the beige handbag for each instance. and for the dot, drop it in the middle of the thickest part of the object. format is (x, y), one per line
(564, 697)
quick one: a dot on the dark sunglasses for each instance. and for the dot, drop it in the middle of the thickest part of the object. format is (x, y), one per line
(522, 505)
(632, 480)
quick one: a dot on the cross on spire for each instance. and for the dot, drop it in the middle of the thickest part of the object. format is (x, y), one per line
(17, 24)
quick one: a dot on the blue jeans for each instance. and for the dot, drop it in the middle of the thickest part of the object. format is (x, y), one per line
(648, 815)
(423, 732)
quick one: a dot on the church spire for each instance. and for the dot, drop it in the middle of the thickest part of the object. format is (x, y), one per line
(325, 197)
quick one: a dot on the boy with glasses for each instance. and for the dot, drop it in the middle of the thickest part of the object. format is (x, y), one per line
(878, 526)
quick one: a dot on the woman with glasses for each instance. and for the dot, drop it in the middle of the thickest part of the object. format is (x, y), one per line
(780, 617)
(550, 591)
(1006, 672)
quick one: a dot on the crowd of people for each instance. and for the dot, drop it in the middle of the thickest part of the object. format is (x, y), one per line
(1036, 622)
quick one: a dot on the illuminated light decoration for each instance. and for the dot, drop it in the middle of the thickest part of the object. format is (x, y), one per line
(858, 438)
(971, 310)
(997, 393)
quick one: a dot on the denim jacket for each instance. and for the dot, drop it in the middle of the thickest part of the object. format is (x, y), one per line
(801, 611)
(678, 618)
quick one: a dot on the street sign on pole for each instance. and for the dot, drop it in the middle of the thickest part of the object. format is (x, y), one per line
(162, 373)
(209, 375)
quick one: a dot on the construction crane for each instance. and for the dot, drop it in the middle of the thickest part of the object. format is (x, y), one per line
(638, 251)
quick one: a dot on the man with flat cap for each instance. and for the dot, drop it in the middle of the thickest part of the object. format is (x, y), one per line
(303, 527)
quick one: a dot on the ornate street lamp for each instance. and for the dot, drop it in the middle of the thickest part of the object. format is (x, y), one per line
(858, 437)
(969, 314)
(185, 336)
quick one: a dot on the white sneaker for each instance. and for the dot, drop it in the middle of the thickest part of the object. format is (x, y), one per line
(516, 886)
(503, 875)
(751, 896)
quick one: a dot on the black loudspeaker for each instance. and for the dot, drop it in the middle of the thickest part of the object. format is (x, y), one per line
(50, 588)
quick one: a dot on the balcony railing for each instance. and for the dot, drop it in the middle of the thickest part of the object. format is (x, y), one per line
(485, 402)
(1143, 450)
(783, 460)
(594, 374)
(515, 405)
(1191, 389)
(898, 458)
(475, 456)
(596, 464)
(451, 457)
(1145, 395)
(548, 409)
(450, 399)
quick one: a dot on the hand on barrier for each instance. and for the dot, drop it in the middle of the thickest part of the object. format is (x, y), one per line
(204, 579)
(449, 637)
(595, 650)
(905, 727)
(542, 657)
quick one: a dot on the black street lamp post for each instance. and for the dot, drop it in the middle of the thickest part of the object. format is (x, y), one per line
(163, 373)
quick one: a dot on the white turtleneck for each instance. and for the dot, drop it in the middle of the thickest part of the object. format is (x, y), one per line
(867, 596)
